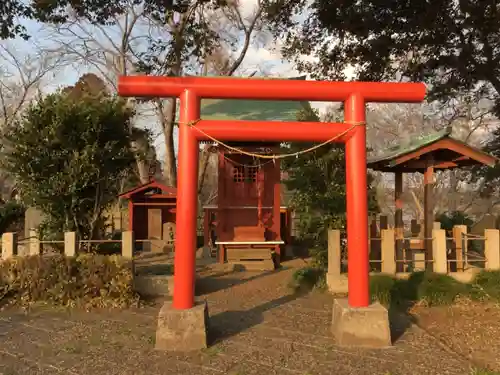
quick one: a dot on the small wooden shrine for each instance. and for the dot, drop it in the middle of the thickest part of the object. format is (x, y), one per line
(248, 225)
(426, 155)
(151, 211)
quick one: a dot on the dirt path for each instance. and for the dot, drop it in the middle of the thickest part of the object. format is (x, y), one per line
(260, 328)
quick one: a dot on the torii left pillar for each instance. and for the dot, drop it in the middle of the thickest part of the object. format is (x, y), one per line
(182, 324)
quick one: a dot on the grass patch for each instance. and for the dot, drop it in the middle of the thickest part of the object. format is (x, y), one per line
(434, 289)
(156, 270)
(424, 287)
(87, 280)
(308, 278)
(484, 372)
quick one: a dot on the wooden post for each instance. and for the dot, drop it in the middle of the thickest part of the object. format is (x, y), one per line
(70, 244)
(276, 212)
(388, 251)
(384, 224)
(415, 228)
(398, 221)
(128, 244)
(334, 253)
(288, 226)
(460, 241)
(375, 245)
(492, 249)
(207, 215)
(34, 243)
(9, 245)
(440, 261)
(428, 213)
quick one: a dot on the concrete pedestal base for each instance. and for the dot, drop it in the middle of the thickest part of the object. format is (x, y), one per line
(362, 327)
(337, 284)
(182, 330)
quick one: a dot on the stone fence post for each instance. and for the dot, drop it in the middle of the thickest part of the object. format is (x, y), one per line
(440, 260)
(34, 243)
(70, 244)
(128, 244)
(492, 249)
(9, 245)
(334, 252)
(333, 276)
(388, 245)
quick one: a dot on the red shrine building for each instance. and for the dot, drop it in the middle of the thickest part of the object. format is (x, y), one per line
(152, 214)
(249, 224)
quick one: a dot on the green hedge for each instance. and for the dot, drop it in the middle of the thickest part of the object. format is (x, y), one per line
(86, 280)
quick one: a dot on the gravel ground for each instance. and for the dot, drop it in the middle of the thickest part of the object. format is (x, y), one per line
(259, 327)
(468, 328)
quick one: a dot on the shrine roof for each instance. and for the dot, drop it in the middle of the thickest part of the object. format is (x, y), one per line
(166, 191)
(438, 149)
(253, 110)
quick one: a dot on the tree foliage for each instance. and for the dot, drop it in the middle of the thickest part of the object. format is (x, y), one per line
(317, 183)
(60, 11)
(452, 45)
(11, 214)
(449, 219)
(68, 156)
(485, 178)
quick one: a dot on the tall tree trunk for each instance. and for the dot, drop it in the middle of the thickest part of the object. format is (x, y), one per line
(205, 158)
(167, 113)
(142, 165)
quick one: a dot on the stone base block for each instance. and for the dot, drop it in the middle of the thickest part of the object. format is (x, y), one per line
(256, 265)
(182, 330)
(361, 327)
(154, 285)
(337, 284)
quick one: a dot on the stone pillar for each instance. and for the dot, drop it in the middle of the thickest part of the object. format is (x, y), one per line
(440, 264)
(34, 243)
(128, 244)
(70, 244)
(388, 244)
(335, 283)
(9, 245)
(334, 252)
(492, 249)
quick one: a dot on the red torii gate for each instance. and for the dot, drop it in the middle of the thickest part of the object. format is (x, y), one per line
(352, 132)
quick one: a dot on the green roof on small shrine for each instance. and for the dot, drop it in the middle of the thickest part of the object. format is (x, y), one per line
(410, 146)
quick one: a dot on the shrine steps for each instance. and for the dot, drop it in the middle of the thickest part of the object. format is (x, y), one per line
(251, 258)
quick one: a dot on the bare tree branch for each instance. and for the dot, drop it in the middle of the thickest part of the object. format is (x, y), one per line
(390, 125)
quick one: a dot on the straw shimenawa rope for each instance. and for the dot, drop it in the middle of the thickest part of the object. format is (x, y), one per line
(280, 156)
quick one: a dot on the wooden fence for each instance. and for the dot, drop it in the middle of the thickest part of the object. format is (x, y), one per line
(456, 253)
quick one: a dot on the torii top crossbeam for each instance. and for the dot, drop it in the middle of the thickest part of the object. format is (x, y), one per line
(267, 89)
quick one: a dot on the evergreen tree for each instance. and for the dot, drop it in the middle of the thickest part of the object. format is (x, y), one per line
(317, 182)
(68, 156)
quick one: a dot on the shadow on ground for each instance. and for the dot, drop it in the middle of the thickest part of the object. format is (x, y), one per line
(230, 323)
(400, 321)
(220, 281)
